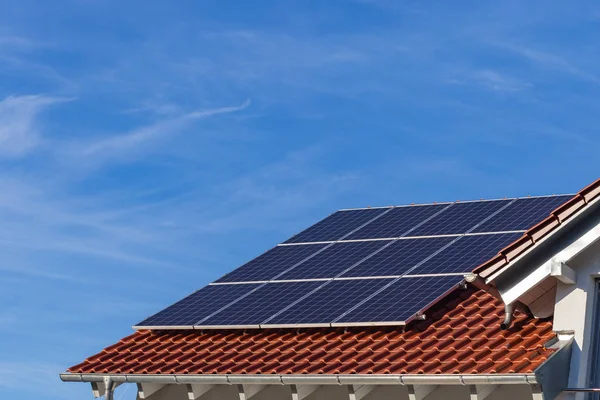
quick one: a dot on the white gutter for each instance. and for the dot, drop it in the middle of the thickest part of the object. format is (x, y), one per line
(333, 379)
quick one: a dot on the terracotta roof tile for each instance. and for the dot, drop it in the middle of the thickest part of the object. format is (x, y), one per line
(461, 335)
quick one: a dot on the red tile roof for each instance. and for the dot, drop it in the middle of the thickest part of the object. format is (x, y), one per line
(461, 335)
(541, 230)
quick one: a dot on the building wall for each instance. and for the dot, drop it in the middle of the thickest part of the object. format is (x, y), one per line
(574, 310)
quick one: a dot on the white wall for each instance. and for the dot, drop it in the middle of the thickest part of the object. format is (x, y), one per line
(574, 311)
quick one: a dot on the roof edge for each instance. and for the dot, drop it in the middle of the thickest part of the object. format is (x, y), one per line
(544, 229)
(357, 379)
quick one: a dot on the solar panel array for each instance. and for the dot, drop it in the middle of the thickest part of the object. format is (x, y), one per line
(360, 267)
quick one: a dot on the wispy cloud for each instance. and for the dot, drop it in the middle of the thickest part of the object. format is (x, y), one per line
(132, 141)
(41, 378)
(491, 80)
(499, 82)
(16, 42)
(20, 131)
(551, 61)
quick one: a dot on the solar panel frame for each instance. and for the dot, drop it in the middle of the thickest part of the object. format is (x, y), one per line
(330, 229)
(384, 307)
(523, 213)
(334, 260)
(259, 305)
(465, 254)
(399, 221)
(324, 305)
(184, 313)
(460, 218)
(272, 263)
(398, 258)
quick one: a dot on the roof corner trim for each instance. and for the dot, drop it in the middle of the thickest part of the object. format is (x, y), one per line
(579, 245)
(553, 374)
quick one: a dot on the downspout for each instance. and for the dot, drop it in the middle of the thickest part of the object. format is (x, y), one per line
(109, 387)
(508, 316)
(509, 309)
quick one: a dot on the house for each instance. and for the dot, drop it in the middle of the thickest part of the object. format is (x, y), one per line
(468, 300)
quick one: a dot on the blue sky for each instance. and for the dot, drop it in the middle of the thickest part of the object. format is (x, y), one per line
(148, 147)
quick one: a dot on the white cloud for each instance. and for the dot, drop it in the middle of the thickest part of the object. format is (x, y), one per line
(19, 130)
(134, 140)
(550, 61)
(498, 82)
(15, 42)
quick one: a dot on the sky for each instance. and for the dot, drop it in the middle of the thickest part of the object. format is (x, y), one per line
(146, 148)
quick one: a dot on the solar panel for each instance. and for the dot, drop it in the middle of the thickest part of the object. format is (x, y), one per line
(329, 302)
(333, 260)
(399, 257)
(459, 218)
(261, 304)
(358, 250)
(466, 254)
(198, 305)
(523, 214)
(401, 300)
(397, 222)
(337, 225)
(272, 263)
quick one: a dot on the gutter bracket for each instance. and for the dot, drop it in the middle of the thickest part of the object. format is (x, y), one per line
(562, 272)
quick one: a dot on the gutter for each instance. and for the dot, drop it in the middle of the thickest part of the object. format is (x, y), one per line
(333, 379)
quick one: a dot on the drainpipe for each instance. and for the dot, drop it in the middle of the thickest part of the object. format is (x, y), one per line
(508, 316)
(509, 309)
(109, 387)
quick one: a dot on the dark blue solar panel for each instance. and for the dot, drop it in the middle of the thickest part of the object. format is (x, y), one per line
(271, 263)
(466, 254)
(401, 300)
(522, 214)
(329, 302)
(459, 218)
(399, 257)
(397, 222)
(261, 304)
(334, 260)
(198, 305)
(336, 225)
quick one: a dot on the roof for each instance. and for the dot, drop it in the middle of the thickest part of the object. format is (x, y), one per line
(461, 335)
